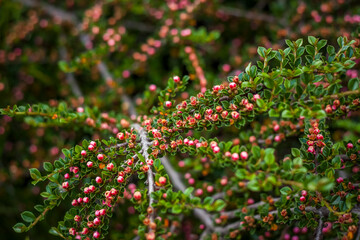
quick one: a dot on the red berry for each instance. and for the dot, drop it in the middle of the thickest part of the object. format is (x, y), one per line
(216, 88)
(256, 97)
(244, 155)
(77, 218)
(120, 179)
(276, 127)
(83, 153)
(93, 143)
(85, 231)
(339, 180)
(168, 104)
(277, 138)
(162, 180)
(96, 221)
(85, 199)
(96, 234)
(89, 164)
(65, 185)
(176, 79)
(235, 156)
(349, 145)
(235, 115)
(232, 85)
(91, 147)
(110, 166)
(91, 188)
(152, 87)
(216, 149)
(121, 136)
(319, 137)
(98, 179)
(100, 157)
(302, 199)
(137, 195)
(66, 176)
(304, 193)
(74, 202)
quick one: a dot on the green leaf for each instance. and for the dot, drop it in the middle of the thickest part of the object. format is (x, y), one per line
(28, 216)
(286, 114)
(48, 166)
(311, 40)
(54, 231)
(295, 152)
(219, 205)
(35, 173)
(353, 84)
(188, 191)
(261, 51)
(285, 190)
(269, 156)
(321, 44)
(176, 209)
(19, 228)
(260, 103)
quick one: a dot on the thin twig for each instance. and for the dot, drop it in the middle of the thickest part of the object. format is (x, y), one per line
(318, 235)
(150, 178)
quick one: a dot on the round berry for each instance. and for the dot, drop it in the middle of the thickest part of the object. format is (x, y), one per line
(96, 234)
(120, 179)
(89, 164)
(83, 153)
(98, 179)
(235, 156)
(232, 85)
(176, 79)
(65, 185)
(168, 104)
(162, 180)
(137, 195)
(100, 157)
(244, 155)
(302, 199)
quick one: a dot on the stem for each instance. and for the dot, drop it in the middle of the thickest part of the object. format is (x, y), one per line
(318, 235)
(150, 178)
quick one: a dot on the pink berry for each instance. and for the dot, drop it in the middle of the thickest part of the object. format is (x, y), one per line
(276, 127)
(235, 115)
(98, 179)
(302, 199)
(216, 149)
(96, 221)
(244, 155)
(83, 153)
(223, 181)
(210, 189)
(96, 234)
(66, 176)
(100, 157)
(65, 185)
(80, 200)
(349, 145)
(232, 85)
(137, 195)
(152, 87)
(120, 179)
(74, 202)
(191, 181)
(89, 164)
(102, 212)
(110, 166)
(77, 218)
(162, 180)
(93, 143)
(85, 231)
(235, 156)
(199, 192)
(91, 147)
(168, 104)
(256, 97)
(277, 138)
(319, 137)
(339, 180)
(91, 188)
(304, 193)
(216, 88)
(209, 111)
(176, 79)
(85, 199)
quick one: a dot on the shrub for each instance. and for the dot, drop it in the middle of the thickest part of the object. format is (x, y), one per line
(258, 156)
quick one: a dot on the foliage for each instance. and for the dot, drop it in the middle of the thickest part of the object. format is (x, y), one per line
(258, 156)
